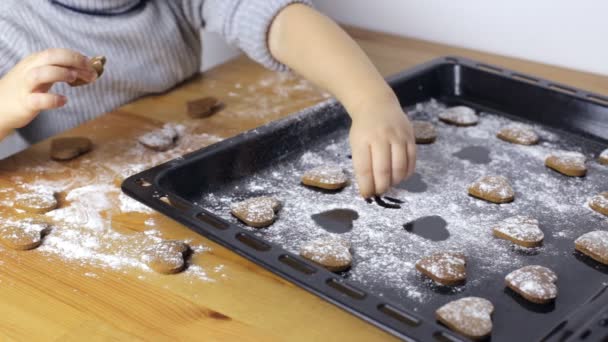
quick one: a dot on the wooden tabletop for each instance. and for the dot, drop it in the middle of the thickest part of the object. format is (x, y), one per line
(73, 293)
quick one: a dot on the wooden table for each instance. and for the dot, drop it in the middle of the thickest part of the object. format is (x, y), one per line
(47, 296)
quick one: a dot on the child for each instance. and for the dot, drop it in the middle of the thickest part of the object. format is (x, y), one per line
(155, 44)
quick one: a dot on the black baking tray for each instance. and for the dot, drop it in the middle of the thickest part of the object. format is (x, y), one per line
(581, 313)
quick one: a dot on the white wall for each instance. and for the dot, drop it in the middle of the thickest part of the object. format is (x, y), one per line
(567, 33)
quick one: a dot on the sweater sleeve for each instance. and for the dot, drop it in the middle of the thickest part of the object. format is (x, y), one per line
(245, 23)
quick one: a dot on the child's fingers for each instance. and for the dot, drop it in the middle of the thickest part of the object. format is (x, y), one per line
(37, 102)
(400, 160)
(382, 166)
(411, 158)
(47, 74)
(362, 163)
(62, 57)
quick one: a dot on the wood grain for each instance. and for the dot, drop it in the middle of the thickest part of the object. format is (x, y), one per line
(46, 297)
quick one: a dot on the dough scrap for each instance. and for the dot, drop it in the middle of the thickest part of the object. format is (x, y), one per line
(568, 163)
(445, 268)
(594, 245)
(204, 107)
(469, 316)
(162, 139)
(534, 283)
(424, 132)
(23, 233)
(98, 63)
(520, 230)
(258, 212)
(328, 177)
(39, 202)
(599, 203)
(330, 252)
(68, 148)
(495, 189)
(459, 116)
(167, 257)
(518, 133)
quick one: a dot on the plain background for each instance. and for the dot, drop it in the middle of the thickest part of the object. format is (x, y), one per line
(572, 34)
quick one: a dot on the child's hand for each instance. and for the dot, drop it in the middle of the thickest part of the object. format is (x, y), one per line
(24, 89)
(384, 148)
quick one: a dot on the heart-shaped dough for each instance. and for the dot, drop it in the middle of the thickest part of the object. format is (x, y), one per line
(520, 230)
(257, 212)
(424, 132)
(328, 177)
(98, 63)
(68, 148)
(518, 133)
(23, 233)
(568, 163)
(36, 202)
(603, 158)
(330, 252)
(599, 203)
(204, 107)
(495, 189)
(162, 139)
(594, 245)
(534, 283)
(459, 116)
(167, 257)
(445, 268)
(469, 316)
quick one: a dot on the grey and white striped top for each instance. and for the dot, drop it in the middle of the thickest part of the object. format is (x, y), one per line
(151, 46)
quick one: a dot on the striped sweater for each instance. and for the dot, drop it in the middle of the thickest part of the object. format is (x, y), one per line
(151, 45)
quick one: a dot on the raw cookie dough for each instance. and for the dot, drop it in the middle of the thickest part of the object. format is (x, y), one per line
(23, 233)
(330, 252)
(518, 133)
(167, 257)
(445, 268)
(599, 203)
(459, 116)
(424, 132)
(326, 177)
(70, 147)
(162, 139)
(204, 107)
(603, 158)
(534, 283)
(36, 202)
(257, 212)
(98, 64)
(567, 163)
(594, 245)
(469, 316)
(521, 230)
(495, 189)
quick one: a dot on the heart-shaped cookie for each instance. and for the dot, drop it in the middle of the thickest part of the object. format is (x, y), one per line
(459, 116)
(567, 163)
(257, 212)
(162, 139)
(202, 108)
(68, 148)
(495, 189)
(23, 233)
(520, 230)
(328, 177)
(603, 158)
(599, 203)
(39, 202)
(594, 245)
(518, 133)
(445, 268)
(98, 63)
(534, 283)
(424, 132)
(330, 252)
(167, 257)
(469, 316)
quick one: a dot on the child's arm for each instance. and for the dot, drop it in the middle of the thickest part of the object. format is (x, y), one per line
(381, 137)
(24, 89)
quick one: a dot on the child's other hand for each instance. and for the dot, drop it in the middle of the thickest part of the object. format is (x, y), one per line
(24, 89)
(383, 146)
